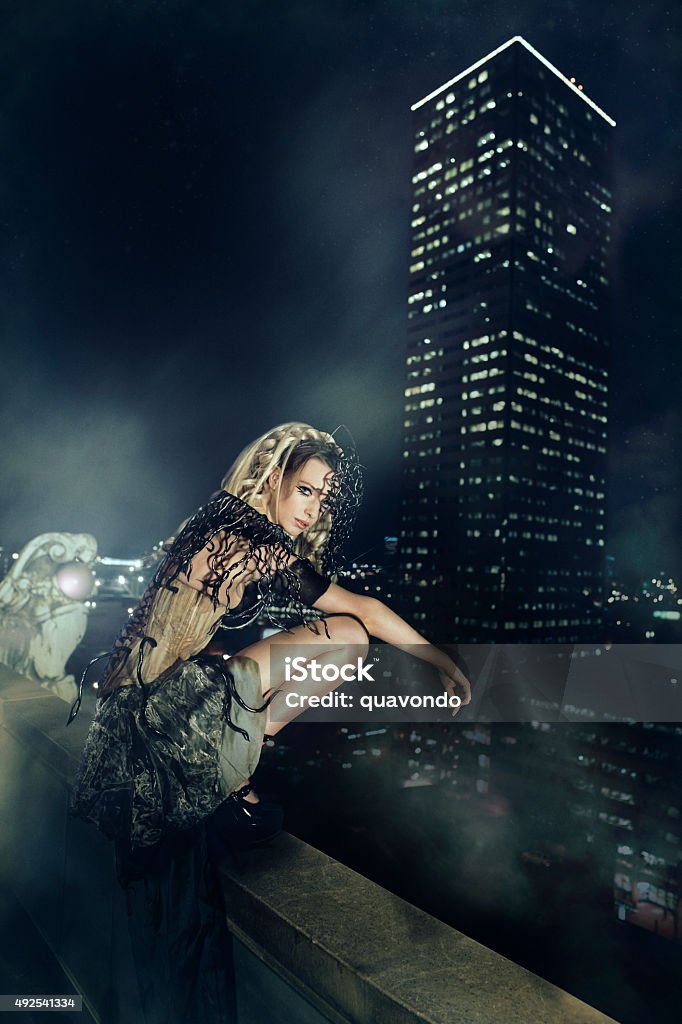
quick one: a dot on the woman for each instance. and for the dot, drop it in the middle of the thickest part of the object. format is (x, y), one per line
(177, 734)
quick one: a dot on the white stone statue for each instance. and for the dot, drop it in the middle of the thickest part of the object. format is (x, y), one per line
(42, 613)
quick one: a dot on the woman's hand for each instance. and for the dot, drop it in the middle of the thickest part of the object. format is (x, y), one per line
(381, 622)
(456, 685)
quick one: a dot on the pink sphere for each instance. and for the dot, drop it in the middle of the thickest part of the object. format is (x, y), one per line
(75, 580)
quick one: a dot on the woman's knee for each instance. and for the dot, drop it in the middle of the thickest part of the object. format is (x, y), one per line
(349, 631)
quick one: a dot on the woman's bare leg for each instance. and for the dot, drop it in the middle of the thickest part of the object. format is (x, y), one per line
(347, 640)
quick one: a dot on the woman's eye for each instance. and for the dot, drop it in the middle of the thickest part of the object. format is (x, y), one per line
(304, 490)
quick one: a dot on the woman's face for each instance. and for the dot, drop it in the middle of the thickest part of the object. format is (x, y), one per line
(296, 504)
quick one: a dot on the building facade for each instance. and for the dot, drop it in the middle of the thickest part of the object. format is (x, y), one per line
(505, 430)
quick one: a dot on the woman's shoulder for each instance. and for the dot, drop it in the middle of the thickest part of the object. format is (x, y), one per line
(225, 545)
(229, 515)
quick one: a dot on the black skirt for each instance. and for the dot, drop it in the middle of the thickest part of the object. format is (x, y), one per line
(160, 760)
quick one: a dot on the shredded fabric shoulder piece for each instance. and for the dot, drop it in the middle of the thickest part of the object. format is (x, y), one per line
(244, 543)
(243, 546)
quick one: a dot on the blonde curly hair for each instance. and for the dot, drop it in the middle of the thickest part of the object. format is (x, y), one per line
(287, 447)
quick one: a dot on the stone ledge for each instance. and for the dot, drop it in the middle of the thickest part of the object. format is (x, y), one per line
(38, 719)
(354, 951)
(360, 953)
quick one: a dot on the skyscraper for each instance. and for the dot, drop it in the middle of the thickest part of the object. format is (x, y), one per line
(504, 476)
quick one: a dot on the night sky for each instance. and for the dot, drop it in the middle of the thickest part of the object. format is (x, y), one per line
(205, 211)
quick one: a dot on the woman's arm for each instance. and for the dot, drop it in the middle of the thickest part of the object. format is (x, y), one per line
(383, 623)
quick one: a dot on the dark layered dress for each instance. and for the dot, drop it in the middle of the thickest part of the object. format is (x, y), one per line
(175, 733)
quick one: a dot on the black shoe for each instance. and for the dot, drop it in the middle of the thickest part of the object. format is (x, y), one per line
(239, 822)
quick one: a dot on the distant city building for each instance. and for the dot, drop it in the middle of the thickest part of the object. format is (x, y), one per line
(504, 485)
(620, 809)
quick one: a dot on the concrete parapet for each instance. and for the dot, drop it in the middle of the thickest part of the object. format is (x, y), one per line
(314, 941)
